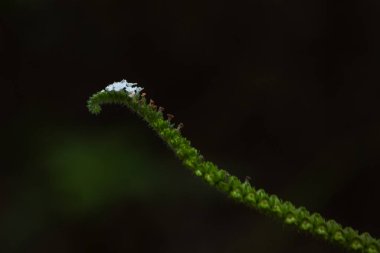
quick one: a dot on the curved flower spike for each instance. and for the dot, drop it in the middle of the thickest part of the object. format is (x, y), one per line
(124, 93)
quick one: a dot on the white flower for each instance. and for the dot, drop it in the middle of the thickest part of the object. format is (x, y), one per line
(125, 86)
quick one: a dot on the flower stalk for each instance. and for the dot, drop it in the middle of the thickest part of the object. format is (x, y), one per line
(126, 94)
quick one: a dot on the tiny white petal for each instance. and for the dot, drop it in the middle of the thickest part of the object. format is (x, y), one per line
(138, 89)
(129, 89)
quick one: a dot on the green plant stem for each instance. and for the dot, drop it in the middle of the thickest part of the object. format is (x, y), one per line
(269, 204)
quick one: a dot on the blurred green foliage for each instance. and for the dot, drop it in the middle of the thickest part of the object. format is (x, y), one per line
(80, 171)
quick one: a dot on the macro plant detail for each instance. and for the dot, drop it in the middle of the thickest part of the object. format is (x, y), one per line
(129, 95)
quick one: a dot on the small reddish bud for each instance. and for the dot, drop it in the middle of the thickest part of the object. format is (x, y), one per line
(151, 104)
(170, 116)
(142, 98)
(180, 125)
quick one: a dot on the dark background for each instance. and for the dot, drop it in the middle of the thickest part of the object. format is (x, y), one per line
(285, 92)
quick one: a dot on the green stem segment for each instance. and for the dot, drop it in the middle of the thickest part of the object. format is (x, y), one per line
(297, 217)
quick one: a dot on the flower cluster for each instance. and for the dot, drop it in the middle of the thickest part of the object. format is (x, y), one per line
(123, 85)
(298, 217)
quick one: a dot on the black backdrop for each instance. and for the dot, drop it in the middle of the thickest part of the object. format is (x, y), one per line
(285, 92)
